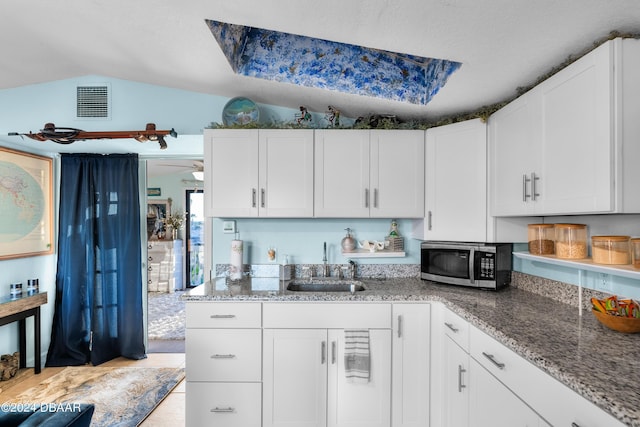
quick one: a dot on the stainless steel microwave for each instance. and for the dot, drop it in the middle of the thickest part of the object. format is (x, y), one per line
(479, 265)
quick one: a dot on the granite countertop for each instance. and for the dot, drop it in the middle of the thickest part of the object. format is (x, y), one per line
(600, 364)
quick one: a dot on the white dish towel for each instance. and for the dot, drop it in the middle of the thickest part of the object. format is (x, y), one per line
(357, 359)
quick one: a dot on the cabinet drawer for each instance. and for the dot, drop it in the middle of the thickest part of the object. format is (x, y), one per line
(456, 328)
(223, 405)
(551, 399)
(327, 315)
(224, 355)
(223, 315)
(507, 366)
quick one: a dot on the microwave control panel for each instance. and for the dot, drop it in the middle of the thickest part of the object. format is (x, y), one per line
(486, 262)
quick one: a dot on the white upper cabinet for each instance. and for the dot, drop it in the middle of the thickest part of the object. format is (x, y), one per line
(362, 173)
(456, 182)
(258, 173)
(558, 149)
(513, 155)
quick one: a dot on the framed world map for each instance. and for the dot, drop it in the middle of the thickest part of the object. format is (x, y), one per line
(26, 212)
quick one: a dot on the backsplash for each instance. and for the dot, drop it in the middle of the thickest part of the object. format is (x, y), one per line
(368, 271)
(559, 291)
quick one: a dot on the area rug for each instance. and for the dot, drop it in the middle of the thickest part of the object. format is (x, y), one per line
(122, 396)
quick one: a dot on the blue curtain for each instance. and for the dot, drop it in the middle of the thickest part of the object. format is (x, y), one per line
(98, 302)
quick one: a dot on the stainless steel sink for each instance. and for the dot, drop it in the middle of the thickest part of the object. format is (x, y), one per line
(352, 286)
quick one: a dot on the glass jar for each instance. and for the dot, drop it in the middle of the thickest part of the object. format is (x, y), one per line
(571, 241)
(610, 249)
(635, 251)
(541, 239)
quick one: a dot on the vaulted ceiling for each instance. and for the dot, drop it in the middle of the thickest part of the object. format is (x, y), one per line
(500, 44)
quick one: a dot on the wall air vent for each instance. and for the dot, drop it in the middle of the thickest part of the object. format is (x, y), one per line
(93, 102)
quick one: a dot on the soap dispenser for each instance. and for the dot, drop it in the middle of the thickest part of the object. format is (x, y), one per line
(348, 242)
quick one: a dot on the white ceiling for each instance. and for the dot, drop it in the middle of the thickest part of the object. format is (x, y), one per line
(502, 44)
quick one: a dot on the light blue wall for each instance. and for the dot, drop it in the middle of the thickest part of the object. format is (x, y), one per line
(28, 108)
(303, 239)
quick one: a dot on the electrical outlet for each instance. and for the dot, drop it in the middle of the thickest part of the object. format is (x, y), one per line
(603, 283)
(228, 227)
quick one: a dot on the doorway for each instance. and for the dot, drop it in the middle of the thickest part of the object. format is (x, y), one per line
(194, 238)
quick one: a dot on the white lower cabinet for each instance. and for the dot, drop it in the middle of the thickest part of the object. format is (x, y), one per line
(484, 383)
(455, 402)
(304, 381)
(553, 401)
(411, 360)
(493, 404)
(223, 364)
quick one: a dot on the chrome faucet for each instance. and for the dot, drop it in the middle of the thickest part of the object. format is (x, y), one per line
(325, 266)
(352, 269)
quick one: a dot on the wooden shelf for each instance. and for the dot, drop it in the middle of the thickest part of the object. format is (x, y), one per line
(583, 264)
(363, 253)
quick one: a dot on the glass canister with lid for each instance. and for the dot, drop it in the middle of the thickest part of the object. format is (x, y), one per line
(610, 250)
(541, 239)
(571, 241)
(635, 251)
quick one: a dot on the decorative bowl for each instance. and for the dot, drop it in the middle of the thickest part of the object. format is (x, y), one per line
(240, 111)
(628, 325)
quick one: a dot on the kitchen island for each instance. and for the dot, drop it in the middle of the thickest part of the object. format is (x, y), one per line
(596, 363)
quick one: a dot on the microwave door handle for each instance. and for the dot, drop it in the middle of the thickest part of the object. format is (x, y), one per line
(472, 257)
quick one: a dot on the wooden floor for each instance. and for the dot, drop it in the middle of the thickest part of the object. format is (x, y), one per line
(170, 412)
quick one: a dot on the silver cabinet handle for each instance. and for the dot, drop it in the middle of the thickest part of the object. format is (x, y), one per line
(429, 223)
(223, 356)
(375, 197)
(366, 197)
(399, 326)
(323, 352)
(333, 352)
(450, 326)
(575, 425)
(262, 202)
(253, 197)
(222, 316)
(534, 192)
(525, 180)
(223, 410)
(461, 371)
(493, 360)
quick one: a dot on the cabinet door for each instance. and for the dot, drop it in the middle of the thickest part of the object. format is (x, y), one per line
(577, 173)
(411, 360)
(456, 385)
(397, 174)
(354, 404)
(231, 173)
(514, 153)
(342, 173)
(457, 182)
(286, 173)
(493, 404)
(295, 377)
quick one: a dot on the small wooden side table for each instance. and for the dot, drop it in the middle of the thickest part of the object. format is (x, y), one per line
(17, 310)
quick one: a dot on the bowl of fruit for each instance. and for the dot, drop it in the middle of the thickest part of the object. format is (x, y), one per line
(622, 315)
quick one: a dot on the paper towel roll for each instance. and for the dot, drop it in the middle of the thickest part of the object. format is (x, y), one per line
(235, 271)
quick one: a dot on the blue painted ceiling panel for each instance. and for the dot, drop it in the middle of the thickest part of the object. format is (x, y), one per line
(323, 64)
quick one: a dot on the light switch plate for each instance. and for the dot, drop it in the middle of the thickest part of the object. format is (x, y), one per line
(228, 227)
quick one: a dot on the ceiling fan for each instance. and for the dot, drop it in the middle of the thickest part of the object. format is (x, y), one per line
(196, 168)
